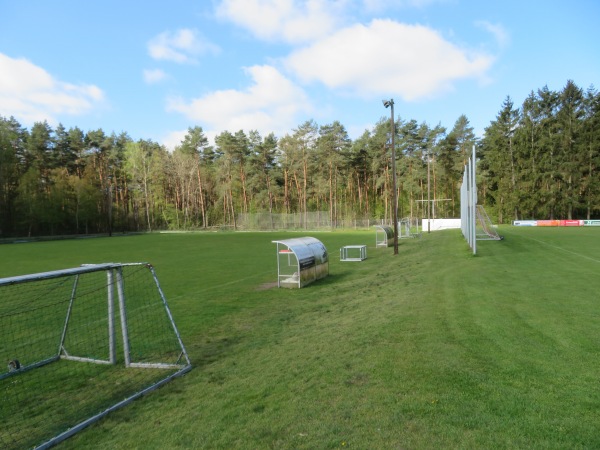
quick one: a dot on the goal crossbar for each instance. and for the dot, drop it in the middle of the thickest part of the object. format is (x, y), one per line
(86, 268)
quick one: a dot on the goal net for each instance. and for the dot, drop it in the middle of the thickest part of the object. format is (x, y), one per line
(485, 230)
(76, 344)
(408, 227)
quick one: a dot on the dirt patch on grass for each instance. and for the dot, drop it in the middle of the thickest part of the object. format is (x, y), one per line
(265, 286)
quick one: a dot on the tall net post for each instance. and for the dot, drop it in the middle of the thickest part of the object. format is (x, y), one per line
(468, 203)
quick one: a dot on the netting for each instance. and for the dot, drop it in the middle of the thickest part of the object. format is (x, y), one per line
(468, 202)
(485, 229)
(408, 227)
(77, 344)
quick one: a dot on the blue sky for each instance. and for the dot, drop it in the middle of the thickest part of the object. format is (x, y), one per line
(154, 68)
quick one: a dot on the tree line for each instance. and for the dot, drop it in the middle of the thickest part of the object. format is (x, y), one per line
(537, 161)
(542, 160)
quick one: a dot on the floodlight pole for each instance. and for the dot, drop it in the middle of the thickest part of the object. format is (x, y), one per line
(110, 207)
(390, 103)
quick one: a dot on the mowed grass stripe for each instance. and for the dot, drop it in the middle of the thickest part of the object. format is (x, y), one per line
(431, 348)
(576, 242)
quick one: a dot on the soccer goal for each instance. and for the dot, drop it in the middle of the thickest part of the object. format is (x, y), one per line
(78, 344)
(408, 227)
(485, 230)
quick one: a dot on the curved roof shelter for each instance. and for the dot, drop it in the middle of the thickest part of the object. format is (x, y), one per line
(301, 261)
(384, 236)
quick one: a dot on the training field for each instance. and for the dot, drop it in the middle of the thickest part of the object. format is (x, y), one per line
(432, 348)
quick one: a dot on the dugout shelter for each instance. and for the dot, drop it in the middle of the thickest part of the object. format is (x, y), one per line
(300, 261)
(384, 236)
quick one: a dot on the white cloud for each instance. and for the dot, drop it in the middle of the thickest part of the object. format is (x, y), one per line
(293, 21)
(173, 139)
(387, 57)
(153, 76)
(270, 104)
(498, 31)
(31, 94)
(381, 5)
(182, 46)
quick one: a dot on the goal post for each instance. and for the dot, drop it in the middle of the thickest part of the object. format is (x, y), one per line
(77, 344)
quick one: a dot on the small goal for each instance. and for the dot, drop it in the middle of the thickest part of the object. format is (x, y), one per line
(485, 231)
(408, 227)
(353, 253)
(79, 343)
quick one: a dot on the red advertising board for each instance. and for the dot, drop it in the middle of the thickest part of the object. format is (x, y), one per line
(571, 223)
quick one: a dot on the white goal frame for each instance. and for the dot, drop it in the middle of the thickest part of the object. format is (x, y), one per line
(406, 226)
(114, 277)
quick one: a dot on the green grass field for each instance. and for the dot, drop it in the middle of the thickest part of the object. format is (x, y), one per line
(433, 348)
